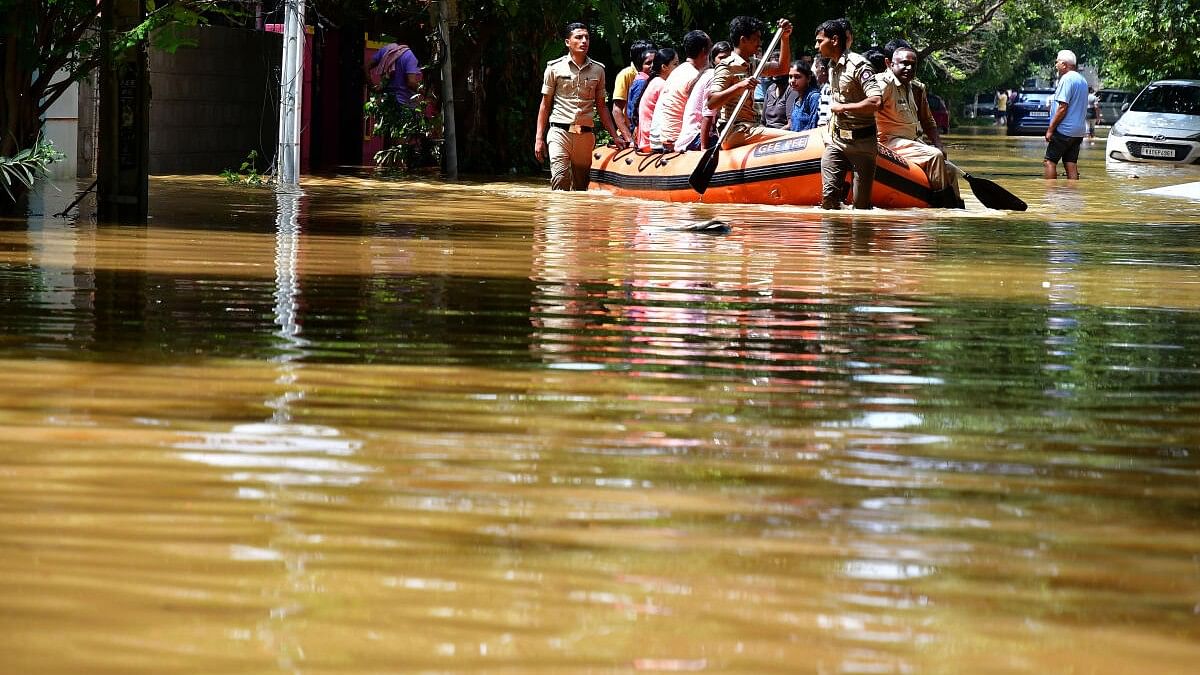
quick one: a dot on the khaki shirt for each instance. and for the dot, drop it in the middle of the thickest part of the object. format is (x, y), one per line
(731, 71)
(897, 115)
(575, 89)
(853, 79)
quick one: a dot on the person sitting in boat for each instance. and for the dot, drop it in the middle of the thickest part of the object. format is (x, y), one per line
(807, 107)
(668, 114)
(821, 73)
(780, 98)
(902, 109)
(698, 131)
(734, 77)
(642, 103)
(638, 68)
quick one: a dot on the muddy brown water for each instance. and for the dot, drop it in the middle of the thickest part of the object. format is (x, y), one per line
(414, 427)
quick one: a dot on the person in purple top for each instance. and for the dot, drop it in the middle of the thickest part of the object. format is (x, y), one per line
(1068, 124)
(396, 70)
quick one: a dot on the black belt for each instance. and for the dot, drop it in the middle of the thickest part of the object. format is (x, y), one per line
(573, 128)
(855, 134)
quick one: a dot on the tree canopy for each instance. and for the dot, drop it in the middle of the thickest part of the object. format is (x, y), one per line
(500, 46)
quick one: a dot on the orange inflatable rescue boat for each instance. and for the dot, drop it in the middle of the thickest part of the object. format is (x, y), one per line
(783, 170)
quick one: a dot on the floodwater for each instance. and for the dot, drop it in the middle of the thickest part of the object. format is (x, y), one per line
(412, 427)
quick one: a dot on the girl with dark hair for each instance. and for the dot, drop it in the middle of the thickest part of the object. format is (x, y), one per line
(807, 109)
(643, 100)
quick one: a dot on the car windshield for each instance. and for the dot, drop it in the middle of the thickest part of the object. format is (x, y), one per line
(935, 103)
(1034, 97)
(1169, 98)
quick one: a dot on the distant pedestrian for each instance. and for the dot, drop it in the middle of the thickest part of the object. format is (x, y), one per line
(572, 94)
(1093, 112)
(1068, 110)
(1001, 108)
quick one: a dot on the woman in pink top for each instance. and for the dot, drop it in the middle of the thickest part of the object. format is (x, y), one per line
(664, 62)
(695, 111)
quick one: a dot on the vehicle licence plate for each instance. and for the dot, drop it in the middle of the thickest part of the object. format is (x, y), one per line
(1039, 113)
(1158, 152)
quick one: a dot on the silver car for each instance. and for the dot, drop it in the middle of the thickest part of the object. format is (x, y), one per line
(1161, 125)
(1112, 104)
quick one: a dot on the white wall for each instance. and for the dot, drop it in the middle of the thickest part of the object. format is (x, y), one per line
(62, 128)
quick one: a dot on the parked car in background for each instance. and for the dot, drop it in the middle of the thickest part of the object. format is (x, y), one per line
(982, 105)
(941, 114)
(1029, 112)
(1111, 102)
(1161, 125)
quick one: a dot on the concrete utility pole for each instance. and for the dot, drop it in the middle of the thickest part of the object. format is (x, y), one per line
(449, 138)
(291, 92)
(123, 152)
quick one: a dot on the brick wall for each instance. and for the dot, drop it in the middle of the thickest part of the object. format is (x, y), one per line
(212, 104)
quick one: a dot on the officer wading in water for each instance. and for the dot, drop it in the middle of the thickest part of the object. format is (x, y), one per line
(572, 92)
(851, 135)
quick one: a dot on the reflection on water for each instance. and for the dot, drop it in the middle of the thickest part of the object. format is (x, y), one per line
(413, 427)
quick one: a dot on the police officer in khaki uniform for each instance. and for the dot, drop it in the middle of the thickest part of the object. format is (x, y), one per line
(732, 77)
(572, 92)
(903, 109)
(851, 133)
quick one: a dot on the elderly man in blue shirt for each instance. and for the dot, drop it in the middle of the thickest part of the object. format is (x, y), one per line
(1068, 122)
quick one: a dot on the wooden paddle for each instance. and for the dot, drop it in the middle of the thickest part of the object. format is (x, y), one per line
(992, 195)
(703, 173)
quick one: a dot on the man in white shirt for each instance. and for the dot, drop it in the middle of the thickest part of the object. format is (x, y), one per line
(699, 127)
(668, 113)
(821, 70)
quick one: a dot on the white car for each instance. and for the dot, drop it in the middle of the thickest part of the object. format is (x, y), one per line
(1161, 125)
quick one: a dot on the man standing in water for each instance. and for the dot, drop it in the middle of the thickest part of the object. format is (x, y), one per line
(1067, 118)
(572, 93)
(855, 98)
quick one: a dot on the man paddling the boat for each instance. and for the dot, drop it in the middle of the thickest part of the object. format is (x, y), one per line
(572, 93)
(734, 76)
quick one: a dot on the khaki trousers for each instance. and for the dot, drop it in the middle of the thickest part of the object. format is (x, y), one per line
(942, 174)
(839, 158)
(744, 133)
(570, 158)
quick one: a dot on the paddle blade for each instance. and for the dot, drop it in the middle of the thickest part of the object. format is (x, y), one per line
(703, 173)
(993, 196)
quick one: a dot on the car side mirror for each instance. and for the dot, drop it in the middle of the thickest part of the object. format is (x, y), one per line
(1124, 107)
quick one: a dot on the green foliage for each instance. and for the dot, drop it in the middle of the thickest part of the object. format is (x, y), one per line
(247, 173)
(410, 137)
(1142, 40)
(26, 166)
